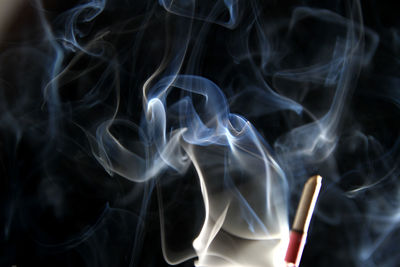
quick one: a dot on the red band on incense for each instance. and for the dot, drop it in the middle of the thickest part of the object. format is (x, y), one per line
(295, 248)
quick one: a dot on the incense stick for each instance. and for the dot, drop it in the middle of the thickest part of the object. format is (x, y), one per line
(301, 222)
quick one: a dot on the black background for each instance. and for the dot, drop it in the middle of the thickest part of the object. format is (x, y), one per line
(59, 207)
